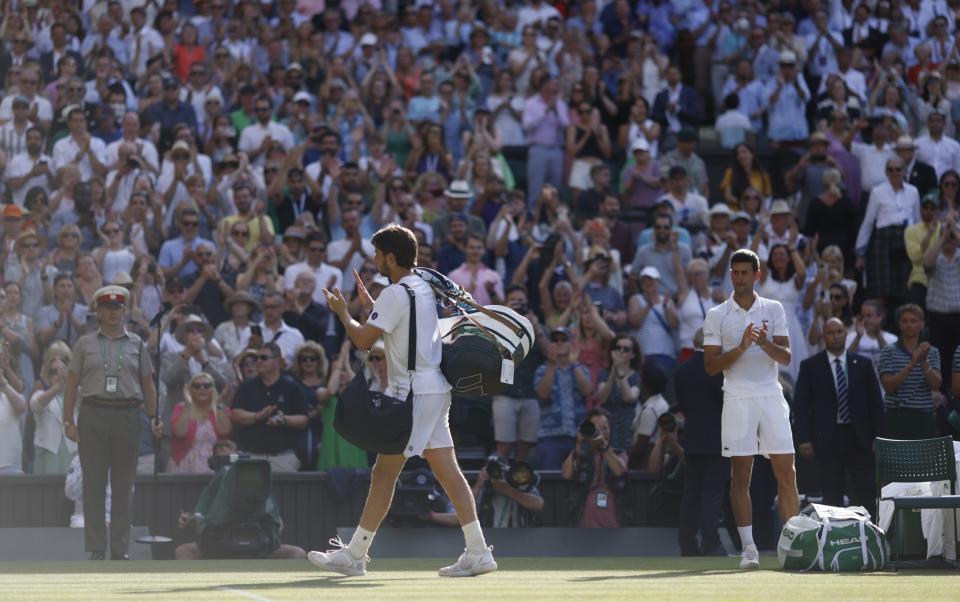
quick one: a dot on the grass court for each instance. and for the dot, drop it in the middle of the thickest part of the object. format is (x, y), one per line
(415, 579)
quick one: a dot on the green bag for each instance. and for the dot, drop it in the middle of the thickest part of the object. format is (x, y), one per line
(833, 539)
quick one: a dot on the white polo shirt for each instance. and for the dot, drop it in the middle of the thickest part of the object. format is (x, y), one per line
(391, 314)
(754, 372)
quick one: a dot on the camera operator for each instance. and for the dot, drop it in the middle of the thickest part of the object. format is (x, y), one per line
(601, 472)
(216, 517)
(507, 494)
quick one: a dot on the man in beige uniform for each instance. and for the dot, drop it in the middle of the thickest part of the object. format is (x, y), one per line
(112, 374)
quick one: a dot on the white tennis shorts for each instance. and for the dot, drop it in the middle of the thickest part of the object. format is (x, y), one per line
(431, 423)
(752, 425)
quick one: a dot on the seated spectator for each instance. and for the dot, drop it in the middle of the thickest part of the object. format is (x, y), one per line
(910, 373)
(269, 413)
(53, 452)
(310, 371)
(197, 423)
(654, 385)
(12, 406)
(744, 171)
(600, 471)
(65, 319)
(562, 386)
(335, 451)
(275, 330)
(618, 388)
(233, 334)
(653, 316)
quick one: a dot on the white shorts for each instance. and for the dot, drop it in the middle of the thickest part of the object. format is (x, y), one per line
(752, 425)
(431, 423)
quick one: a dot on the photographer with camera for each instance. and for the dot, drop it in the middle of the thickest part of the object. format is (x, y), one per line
(235, 517)
(601, 472)
(507, 494)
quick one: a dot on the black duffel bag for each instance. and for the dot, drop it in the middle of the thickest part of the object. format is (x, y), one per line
(374, 421)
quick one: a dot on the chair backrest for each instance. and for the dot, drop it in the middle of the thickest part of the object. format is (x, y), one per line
(916, 461)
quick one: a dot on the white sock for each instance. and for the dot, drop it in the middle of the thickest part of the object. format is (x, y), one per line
(474, 537)
(746, 535)
(360, 542)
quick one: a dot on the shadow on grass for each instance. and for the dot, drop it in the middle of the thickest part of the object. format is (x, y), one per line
(332, 582)
(662, 575)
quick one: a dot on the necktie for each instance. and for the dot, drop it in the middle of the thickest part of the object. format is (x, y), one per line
(843, 403)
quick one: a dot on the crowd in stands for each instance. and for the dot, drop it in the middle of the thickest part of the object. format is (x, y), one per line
(592, 164)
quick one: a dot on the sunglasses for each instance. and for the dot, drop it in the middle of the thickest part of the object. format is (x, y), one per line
(195, 330)
(624, 348)
(231, 164)
(241, 233)
(30, 245)
(316, 249)
(662, 227)
(309, 358)
(560, 339)
(201, 386)
(111, 231)
(894, 169)
(263, 357)
(837, 298)
(70, 235)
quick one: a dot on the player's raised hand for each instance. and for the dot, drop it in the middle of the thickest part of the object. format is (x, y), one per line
(335, 301)
(747, 338)
(365, 299)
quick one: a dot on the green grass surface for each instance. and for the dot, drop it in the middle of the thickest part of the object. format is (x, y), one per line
(415, 579)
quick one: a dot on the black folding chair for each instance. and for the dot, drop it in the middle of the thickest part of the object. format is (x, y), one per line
(915, 462)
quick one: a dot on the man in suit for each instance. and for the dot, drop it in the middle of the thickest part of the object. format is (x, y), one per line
(49, 60)
(920, 174)
(839, 408)
(706, 472)
(675, 108)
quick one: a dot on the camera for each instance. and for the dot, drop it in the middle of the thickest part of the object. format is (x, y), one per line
(588, 429)
(669, 422)
(216, 462)
(256, 331)
(497, 467)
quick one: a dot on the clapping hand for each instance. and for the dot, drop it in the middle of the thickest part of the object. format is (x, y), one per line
(920, 355)
(748, 337)
(366, 301)
(336, 301)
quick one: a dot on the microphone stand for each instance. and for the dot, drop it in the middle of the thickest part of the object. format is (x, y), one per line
(155, 539)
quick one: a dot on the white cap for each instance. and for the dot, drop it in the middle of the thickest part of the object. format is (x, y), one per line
(721, 209)
(368, 39)
(650, 272)
(788, 57)
(640, 144)
(301, 95)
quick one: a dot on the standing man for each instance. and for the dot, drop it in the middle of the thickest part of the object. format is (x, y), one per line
(112, 374)
(756, 417)
(700, 398)
(545, 119)
(396, 254)
(839, 412)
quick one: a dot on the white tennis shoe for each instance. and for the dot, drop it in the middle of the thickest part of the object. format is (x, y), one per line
(470, 564)
(750, 558)
(339, 560)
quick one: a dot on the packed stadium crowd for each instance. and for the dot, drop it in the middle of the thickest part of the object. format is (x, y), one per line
(223, 162)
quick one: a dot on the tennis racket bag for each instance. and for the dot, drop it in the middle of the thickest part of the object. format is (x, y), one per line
(481, 344)
(827, 538)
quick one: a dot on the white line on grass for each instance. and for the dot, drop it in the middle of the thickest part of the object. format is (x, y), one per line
(240, 592)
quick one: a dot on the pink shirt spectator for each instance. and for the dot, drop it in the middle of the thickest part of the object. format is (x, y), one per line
(476, 285)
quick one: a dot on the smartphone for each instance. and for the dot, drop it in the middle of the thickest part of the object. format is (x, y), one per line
(256, 331)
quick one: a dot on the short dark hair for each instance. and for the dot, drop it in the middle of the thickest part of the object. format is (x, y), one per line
(315, 237)
(653, 378)
(399, 241)
(598, 412)
(274, 349)
(513, 288)
(746, 256)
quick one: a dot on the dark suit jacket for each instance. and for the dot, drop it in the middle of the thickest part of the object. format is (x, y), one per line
(924, 177)
(688, 109)
(50, 68)
(815, 399)
(700, 397)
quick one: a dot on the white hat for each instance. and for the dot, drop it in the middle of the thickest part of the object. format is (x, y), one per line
(368, 39)
(459, 189)
(640, 144)
(650, 272)
(780, 207)
(301, 95)
(788, 57)
(905, 142)
(721, 209)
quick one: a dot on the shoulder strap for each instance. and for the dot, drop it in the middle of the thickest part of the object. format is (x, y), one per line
(412, 336)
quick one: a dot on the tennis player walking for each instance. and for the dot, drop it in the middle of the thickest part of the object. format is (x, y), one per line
(395, 257)
(756, 417)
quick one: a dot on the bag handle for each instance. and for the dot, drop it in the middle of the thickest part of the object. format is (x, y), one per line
(504, 352)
